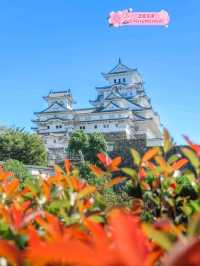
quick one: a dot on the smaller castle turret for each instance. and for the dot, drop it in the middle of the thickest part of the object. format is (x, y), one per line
(63, 98)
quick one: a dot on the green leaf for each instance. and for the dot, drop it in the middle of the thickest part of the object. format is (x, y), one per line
(168, 143)
(86, 191)
(21, 240)
(160, 238)
(56, 205)
(136, 157)
(194, 226)
(129, 171)
(191, 207)
(32, 185)
(97, 218)
(170, 201)
(191, 155)
(173, 158)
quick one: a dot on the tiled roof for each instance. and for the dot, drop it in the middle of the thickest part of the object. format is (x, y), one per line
(49, 108)
(120, 68)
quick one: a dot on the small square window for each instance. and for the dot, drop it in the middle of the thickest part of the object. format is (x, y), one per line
(95, 126)
(48, 127)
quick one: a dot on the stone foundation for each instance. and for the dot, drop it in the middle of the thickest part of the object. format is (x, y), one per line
(115, 136)
(122, 148)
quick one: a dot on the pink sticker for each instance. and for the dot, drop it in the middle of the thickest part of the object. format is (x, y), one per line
(129, 17)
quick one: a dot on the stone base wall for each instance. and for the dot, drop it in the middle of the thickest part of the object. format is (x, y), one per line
(114, 136)
(118, 145)
(122, 148)
(122, 145)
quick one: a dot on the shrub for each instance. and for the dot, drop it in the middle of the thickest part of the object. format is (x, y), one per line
(60, 220)
(17, 168)
(108, 197)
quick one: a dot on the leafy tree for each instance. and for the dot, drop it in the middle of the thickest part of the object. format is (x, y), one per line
(22, 146)
(87, 145)
(97, 143)
(79, 142)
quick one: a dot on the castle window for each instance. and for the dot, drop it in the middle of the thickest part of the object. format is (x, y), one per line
(59, 126)
(48, 127)
(115, 81)
(95, 126)
(119, 80)
(83, 127)
(124, 80)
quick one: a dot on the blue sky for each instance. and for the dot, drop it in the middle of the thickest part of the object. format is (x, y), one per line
(61, 44)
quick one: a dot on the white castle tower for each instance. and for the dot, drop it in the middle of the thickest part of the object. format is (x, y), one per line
(121, 110)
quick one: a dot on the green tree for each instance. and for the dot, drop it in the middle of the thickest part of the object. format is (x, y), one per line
(87, 145)
(22, 146)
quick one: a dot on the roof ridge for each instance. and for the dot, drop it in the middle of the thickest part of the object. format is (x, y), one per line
(120, 64)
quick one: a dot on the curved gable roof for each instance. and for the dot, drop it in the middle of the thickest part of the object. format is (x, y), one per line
(120, 68)
(54, 107)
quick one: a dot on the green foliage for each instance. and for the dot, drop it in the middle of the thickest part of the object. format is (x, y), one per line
(22, 146)
(89, 176)
(106, 197)
(78, 142)
(88, 145)
(162, 188)
(166, 180)
(97, 144)
(17, 168)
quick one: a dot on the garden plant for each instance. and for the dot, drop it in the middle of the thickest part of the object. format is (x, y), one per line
(69, 220)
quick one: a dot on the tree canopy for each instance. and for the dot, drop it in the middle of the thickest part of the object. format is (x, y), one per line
(87, 144)
(22, 146)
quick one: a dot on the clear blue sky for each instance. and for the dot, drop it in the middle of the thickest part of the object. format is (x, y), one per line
(61, 44)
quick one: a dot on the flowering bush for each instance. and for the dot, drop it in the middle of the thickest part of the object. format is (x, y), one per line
(59, 220)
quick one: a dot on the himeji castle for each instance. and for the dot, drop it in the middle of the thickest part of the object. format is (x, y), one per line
(121, 110)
